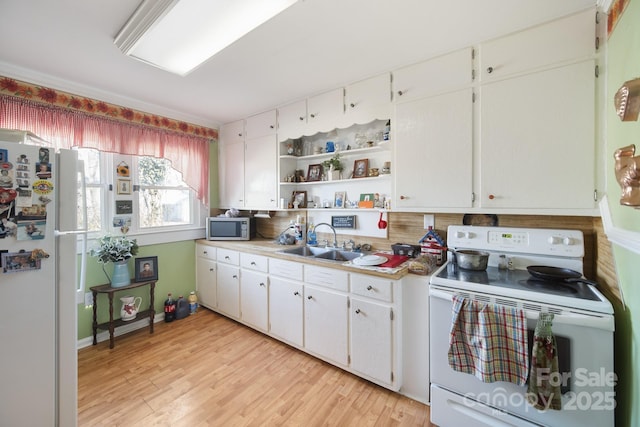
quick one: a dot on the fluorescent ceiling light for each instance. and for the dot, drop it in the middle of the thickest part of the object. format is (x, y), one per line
(179, 35)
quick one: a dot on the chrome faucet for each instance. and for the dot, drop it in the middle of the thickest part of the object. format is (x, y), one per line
(335, 237)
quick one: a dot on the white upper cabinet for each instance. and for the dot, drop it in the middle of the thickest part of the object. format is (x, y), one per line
(292, 120)
(570, 38)
(434, 152)
(368, 100)
(260, 177)
(261, 125)
(324, 111)
(538, 140)
(442, 74)
(232, 133)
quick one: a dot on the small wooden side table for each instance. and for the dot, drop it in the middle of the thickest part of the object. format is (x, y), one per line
(112, 324)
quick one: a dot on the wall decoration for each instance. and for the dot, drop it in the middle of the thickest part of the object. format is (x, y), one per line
(122, 169)
(360, 168)
(627, 170)
(146, 269)
(16, 262)
(314, 173)
(124, 207)
(123, 186)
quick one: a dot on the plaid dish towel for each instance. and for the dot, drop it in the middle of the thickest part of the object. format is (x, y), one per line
(488, 341)
(544, 358)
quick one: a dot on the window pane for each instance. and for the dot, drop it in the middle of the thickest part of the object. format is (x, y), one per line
(94, 214)
(91, 164)
(158, 172)
(164, 207)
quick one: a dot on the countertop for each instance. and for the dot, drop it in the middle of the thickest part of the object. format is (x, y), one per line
(267, 247)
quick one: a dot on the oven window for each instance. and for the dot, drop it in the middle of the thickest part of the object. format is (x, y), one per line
(563, 345)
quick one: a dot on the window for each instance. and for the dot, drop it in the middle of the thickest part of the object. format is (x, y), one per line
(161, 202)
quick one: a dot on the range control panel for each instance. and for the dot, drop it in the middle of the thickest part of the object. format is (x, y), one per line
(541, 241)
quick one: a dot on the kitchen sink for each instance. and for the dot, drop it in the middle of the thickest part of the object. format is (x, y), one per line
(328, 254)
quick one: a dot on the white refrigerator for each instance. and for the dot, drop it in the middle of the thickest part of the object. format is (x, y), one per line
(39, 288)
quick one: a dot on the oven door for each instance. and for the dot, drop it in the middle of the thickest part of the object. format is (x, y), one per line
(585, 342)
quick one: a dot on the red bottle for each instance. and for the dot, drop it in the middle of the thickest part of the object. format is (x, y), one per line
(169, 309)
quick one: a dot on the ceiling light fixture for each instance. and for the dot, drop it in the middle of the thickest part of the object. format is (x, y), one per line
(179, 35)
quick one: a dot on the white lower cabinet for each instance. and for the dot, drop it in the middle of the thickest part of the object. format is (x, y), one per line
(372, 339)
(228, 278)
(285, 310)
(254, 296)
(326, 324)
(206, 276)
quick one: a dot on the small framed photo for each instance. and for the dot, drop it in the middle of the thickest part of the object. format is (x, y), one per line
(146, 269)
(314, 173)
(124, 186)
(300, 197)
(340, 199)
(361, 168)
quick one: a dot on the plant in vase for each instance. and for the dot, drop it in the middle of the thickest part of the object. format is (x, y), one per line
(333, 166)
(117, 250)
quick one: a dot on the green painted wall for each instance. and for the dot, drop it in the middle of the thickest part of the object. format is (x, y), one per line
(176, 274)
(624, 64)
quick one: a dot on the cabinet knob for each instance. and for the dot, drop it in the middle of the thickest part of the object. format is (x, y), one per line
(369, 287)
(261, 284)
(313, 116)
(235, 276)
(490, 70)
(357, 311)
(400, 93)
(301, 118)
(352, 105)
(227, 257)
(239, 134)
(296, 293)
(403, 197)
(310, 297)
(205, 252)
(253, 263)
(491, 197)
(211, 269)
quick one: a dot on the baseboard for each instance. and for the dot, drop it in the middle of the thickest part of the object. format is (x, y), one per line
(130, 327)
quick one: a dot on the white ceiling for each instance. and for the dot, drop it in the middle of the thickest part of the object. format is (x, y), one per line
(315, 45)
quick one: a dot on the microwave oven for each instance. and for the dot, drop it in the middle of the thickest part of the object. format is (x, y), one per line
(224, 228)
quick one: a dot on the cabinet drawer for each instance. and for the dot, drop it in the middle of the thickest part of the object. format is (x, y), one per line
(228, 257)
(329, 277)
(287, 269)
(205, 251)
(254, 262)
(372, 287)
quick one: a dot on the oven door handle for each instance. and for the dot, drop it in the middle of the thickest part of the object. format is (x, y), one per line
(595, 320)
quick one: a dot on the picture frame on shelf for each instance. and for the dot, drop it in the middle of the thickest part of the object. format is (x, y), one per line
(300, 197)
(146, 269)
(360, 168)
(366, 200)
(314, 173)
(340, 199)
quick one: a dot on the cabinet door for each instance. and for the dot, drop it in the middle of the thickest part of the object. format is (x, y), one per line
(434, 152)
(260, 125)
(368, 100)
(232, 133)
(285, 310)
(326, 324)
(372, 339)
(254, 299)
(325, 111)
(260, 181)
(292, 120)
(229, 290)
(569, 38)
(537, 140)
(439, 75)
(206, 282)
(231, 175)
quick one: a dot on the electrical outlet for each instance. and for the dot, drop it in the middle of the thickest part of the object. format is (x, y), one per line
(88, 299)
(429, 221)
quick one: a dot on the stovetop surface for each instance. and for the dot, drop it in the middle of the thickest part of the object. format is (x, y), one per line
(519, 280)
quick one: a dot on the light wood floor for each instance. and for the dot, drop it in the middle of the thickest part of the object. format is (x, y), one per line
(207, 370)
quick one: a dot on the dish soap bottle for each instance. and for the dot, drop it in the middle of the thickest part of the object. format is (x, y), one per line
(311, 236)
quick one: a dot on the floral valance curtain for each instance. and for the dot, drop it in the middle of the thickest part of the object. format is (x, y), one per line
(186, 146)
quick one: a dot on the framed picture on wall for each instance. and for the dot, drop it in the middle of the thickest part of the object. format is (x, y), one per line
(123, 186)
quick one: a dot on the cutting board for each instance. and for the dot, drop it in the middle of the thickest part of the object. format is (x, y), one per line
(393, 260)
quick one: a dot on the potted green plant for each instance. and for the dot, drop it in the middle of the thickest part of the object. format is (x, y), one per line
(333, 166)
(118, 250)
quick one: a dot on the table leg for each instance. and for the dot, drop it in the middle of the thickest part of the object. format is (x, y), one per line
(152, 313)
(111, 327)
(95, 317)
